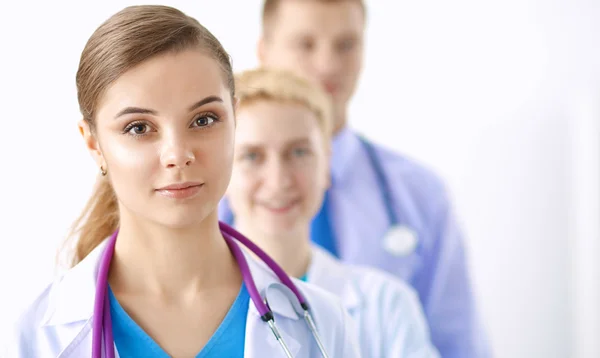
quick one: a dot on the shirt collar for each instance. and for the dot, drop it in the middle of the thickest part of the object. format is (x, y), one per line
(345, 144)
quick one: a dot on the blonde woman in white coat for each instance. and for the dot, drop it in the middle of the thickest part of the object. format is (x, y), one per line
(280, 174)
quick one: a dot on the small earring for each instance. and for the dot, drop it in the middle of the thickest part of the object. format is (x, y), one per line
(102, 171)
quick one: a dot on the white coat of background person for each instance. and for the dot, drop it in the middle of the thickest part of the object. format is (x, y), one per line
(157, 96)
(383, 209)
(280, 175)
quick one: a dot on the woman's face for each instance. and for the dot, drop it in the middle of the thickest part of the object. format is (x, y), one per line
(164, 134)
(280, 170)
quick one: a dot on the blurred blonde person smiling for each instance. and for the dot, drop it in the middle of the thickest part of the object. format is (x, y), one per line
(280, 175)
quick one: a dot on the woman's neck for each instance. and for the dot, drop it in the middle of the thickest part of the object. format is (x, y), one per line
(153, 259)
(291, 251)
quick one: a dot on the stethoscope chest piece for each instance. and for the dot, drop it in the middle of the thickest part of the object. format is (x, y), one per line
(400, 240)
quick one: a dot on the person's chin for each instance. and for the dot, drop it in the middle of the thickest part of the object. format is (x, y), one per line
(280, 225)
(179, 223)
(181, 219)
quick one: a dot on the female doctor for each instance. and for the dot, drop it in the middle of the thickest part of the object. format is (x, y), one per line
(279, 180)
(156, 92)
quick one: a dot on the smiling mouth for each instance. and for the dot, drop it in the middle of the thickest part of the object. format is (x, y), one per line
(281, 209)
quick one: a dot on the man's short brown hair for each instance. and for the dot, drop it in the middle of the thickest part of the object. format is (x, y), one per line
(270, 7)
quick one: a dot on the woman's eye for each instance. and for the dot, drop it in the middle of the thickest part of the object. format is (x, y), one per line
(203, 121)
(138, 129)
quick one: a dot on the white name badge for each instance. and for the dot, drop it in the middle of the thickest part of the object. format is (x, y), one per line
(400, 241)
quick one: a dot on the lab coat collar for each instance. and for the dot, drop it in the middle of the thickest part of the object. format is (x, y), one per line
(263, 278)
(331, 274)
(281, 308)
(72, 295)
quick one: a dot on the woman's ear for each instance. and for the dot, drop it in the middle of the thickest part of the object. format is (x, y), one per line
(91, 143)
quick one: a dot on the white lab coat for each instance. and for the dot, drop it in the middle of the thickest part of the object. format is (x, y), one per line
(389, 316)
(58, 323)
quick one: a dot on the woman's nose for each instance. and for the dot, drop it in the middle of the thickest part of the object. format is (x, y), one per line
(177, 155)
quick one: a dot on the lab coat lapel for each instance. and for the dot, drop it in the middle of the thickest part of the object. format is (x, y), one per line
(332, 275)
(260, 341)
(81, 346)
(72, 296)
(71, 305)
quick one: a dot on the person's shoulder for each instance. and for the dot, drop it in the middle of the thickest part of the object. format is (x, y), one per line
(409, 170)
(381, 286)
(416, 187)
(32, 315)
(361, 278)
(27, 325)
(319, 300)
(393, 306)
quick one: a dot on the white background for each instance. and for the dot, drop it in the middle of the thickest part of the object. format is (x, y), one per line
(498, 96)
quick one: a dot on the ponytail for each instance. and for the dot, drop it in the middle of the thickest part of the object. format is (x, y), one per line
(99, 219)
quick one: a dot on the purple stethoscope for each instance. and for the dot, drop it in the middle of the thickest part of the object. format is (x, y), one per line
(101, 320)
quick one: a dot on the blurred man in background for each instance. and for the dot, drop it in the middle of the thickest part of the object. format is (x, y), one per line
(382, 210)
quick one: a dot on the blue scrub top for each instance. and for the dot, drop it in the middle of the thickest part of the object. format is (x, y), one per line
(227, 341)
